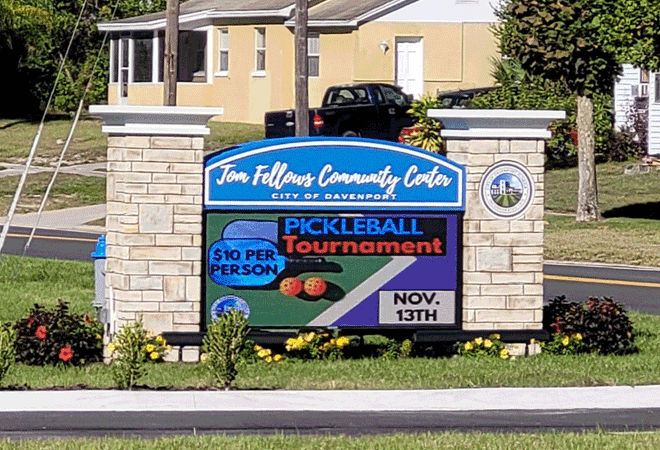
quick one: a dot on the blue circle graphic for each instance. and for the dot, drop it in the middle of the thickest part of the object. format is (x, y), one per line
(228, 302)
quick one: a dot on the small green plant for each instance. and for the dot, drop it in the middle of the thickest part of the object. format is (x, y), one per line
(128, 355)
(490, 346)
(223, 344)
(563, 344)
(313, 345)
(395, 349)
(57, 336)
(426, 133)
(7, 354)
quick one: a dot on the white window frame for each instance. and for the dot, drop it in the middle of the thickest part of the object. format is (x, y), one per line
(316, 54)
(259, 72)
(223, 49)
(114, 61)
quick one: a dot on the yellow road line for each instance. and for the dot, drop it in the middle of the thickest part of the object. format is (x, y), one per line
(54, 238)
(601, 281)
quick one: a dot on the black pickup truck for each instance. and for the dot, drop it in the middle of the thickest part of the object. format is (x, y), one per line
(371, 110)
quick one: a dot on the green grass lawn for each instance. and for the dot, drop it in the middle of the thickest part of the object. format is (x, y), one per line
(419, 441)
(630, 231)
(24, 281)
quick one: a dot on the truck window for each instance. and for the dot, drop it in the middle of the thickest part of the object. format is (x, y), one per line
(394, 97)
(347, 96)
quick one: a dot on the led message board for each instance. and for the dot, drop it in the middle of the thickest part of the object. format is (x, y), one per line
(333, 232)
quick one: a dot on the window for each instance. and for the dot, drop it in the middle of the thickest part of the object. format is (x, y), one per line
(348, 96)
(223, 51)
(313, 54)
(114, 56)
(142, 57)
(643, 76)
(394, 97)
(260, 50)
(192, 56)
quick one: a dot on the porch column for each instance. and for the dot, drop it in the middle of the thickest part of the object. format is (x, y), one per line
(154, 216)
(503, 152)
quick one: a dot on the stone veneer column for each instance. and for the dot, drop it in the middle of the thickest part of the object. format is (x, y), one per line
(154, 214)
(502, 259)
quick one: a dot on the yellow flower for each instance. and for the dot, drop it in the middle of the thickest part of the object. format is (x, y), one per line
(150, 348)
(269, 359)
(342, 341)
(478, 341)
(578, 337)
(257, 348)
(468, 346)
(289, 341)
(309, 337)
(504, 353)
(168, 347)
(495, 336)
(488, 343)
(262, 353)
(98, 337)
(111, 347)
(298, 343)
(154, 355)
(565, 341)
(203, 357)
(333, 341)
(325, 346)
(160, 339)
(532, 341)
(277, 358)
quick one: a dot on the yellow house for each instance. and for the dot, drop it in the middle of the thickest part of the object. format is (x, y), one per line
(239, 54)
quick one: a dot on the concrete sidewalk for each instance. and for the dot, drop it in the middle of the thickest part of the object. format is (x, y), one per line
(466, 400)
(63, 219)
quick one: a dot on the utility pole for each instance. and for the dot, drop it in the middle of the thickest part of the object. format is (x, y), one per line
(302, 95)
(170, 69)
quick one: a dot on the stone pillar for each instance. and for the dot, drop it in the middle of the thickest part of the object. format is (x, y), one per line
(502, 247)
(154, 215)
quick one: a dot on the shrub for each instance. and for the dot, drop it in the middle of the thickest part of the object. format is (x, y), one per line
(518, 90)
(490, 346)
(395, 349)
(313, 345)
(223, 344)
(426, 133)
(7, 354)
(56, 336)
(603, 324)
(128, 355)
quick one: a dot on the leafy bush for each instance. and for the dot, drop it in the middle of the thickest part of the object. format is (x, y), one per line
(395, 349)
(128, 355)
(490, 346)
(631, 141)
(518, 90)
(426, 133)
(315, 345)
(52, 336)
(223, 344)
(7, 353)
(603, 324)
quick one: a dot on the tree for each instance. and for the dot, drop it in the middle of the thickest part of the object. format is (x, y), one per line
(581, 43)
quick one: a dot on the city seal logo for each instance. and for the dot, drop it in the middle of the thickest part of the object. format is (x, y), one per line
(506, 189)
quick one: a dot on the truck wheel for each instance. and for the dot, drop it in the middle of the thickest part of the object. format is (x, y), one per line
(350, 134)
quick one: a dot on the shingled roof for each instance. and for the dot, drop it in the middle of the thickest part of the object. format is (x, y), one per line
(351, 12)
(194, 10)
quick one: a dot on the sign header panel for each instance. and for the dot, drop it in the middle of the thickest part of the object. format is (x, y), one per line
(332, 174)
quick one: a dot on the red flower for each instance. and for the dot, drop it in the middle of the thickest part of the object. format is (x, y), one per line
(41, 332)
(30, 322)
(66, 353)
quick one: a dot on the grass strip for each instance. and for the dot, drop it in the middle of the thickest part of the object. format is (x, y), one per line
(421, 441)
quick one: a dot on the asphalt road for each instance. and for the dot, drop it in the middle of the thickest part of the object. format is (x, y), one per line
(638, 289)
(21, 425)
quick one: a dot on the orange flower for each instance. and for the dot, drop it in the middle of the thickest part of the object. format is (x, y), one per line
(41, 332)
(66, 353)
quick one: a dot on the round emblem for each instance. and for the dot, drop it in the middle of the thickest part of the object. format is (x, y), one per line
(506, 189)
(226, 303)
